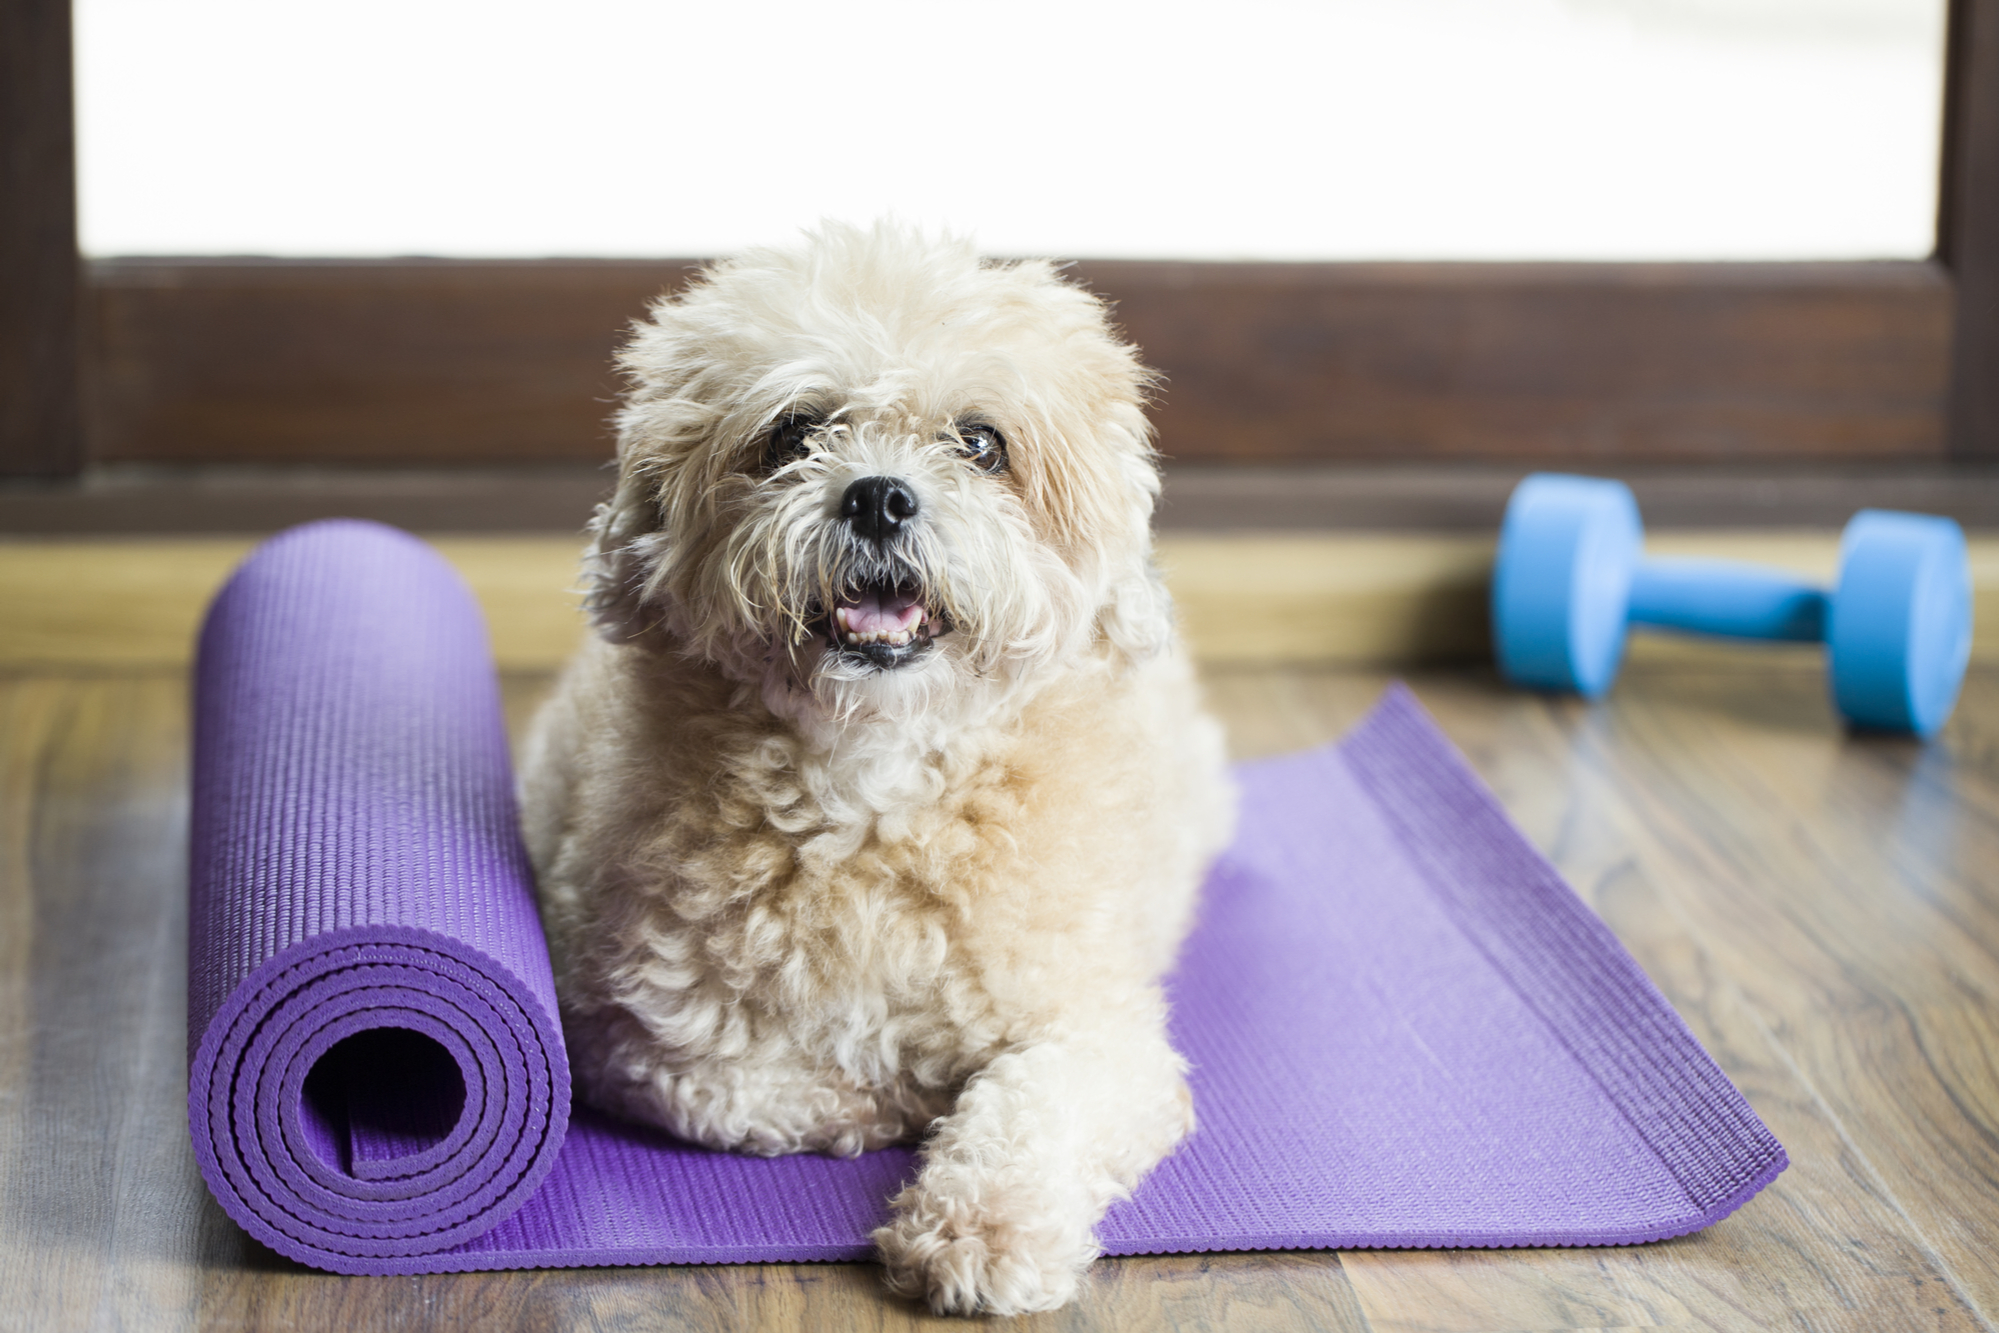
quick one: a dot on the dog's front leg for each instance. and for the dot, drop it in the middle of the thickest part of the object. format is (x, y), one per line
(1040, 1143)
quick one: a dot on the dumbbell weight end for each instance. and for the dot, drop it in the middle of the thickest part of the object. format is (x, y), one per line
(1899, 629)
(1561, 577)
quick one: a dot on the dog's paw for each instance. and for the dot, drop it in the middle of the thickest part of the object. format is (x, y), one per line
(960, 1258)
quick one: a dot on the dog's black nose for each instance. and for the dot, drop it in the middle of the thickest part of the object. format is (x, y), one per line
(878, 507)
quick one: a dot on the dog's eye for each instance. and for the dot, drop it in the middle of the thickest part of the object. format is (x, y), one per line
(787, 442)
(982, 446)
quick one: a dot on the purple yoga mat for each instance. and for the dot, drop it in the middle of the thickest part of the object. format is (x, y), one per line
(1405, 1029)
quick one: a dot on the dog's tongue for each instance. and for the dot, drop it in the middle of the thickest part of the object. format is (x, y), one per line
(876, 612)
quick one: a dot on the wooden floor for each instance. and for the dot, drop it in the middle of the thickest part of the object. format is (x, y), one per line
(1820, 907)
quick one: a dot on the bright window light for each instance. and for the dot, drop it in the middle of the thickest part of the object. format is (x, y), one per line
(1330, 129)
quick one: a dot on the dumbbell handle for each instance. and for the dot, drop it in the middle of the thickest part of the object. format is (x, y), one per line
(1726, 597)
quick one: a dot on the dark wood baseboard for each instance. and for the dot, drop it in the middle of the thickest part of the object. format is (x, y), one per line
(1471, 497)
(485, 363)
(155, 501)
(1417, 498)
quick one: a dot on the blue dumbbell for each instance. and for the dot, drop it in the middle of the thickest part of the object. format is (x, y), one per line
(1569, 577)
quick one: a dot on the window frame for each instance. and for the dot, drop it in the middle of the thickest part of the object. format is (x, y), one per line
(193, 363)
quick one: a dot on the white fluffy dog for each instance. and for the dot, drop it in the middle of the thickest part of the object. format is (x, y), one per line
(876, 811)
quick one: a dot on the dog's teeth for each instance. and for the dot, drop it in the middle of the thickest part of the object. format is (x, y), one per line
(845, 632)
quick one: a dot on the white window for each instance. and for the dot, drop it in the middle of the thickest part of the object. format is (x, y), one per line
(1337, 129)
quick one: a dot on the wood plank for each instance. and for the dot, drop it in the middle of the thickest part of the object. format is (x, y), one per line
(1863, 941)
(1350, 599)
(97, 1186)
(41, 423)
(426, 362)
(1354, 600)
(138, 605)
(1282, 1293)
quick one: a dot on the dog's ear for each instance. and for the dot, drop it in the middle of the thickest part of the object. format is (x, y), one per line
(623, 549)
(1138, 617)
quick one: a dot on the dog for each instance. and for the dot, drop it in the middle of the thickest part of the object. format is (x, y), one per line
(875, 810)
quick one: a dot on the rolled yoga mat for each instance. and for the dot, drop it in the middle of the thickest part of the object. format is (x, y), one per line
(1405, 1029)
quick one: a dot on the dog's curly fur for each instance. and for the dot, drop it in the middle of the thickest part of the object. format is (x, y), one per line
(806, 893)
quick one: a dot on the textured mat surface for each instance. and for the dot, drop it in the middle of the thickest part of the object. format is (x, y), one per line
(1406, 1030)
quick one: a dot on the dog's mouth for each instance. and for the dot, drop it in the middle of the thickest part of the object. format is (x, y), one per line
(885, 625)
